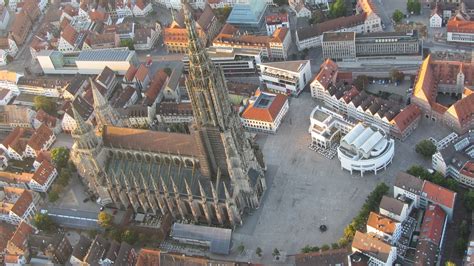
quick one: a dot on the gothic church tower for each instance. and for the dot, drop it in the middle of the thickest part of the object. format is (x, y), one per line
(218, 128)
(105, 114)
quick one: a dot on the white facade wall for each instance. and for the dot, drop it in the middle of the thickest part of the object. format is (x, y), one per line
(436, 21)
(316, 41)
(460, 37)
(138, 12)
(265, 126)
(33, 185)
(5, 21)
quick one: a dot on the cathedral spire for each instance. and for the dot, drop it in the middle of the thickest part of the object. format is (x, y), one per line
(81, 126)
(99, 99)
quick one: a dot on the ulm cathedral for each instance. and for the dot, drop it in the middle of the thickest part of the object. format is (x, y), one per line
(211, 176)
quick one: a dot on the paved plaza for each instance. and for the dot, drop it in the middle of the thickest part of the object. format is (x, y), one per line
(306, 190)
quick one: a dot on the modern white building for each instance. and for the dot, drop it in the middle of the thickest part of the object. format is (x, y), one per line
(90, 62)
(264, 112)
(455, 159)
(326, 127)
(364, 149)
(288, 77)
(408, 186)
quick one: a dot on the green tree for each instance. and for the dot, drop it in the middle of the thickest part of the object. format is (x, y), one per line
(426, 148)
(127, 43)
(104, 219)
(469, 200)
(325, 247)
(450, 263)
(315, 249)
(53, 194)
(361, 82)
(418, 171)
(414, 7)
(64, 176)
(116, 234)
(47, 104)
(397, 16)
(60, 156)
(275, 252)
(258, 251)
(241, 248)
(306, 249)
(343, 242)
(397, 76)
(460, 246)
(92, 233)
(334, 245)
(130, 236)
(317, 17)
(168, 71)
(337, 9)
(43, 222)
(223, 13)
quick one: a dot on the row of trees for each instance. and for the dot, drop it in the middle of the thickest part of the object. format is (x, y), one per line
(60, 158)
(43, 222)
(309, 249)
(437, 178)
(463, 238)
(358, 223)
(105, 220)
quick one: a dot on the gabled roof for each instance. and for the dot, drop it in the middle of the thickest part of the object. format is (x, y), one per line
(147, 140)
(330, 25)
(433, 224)
(409, 183)
(142, 72)
(265, 113)
(18, 240)
(44, 171)
(371, 246)
(327, 73)
(147, 257)
(406, 117)
(81, 248)
(381, 223)
(69, 34)
(392, 205)
(156, 85)
(40, 137)
(439, 194)
(463, 110)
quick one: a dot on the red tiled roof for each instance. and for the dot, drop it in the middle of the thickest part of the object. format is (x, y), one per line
(456, 24)
(23, 202)
(463, 110)
(406, 116)
(439, 194)
(44, 171)
(142, 72)
(18, 240)
(433, 223)
(276, 18)
(40, 137)
(266, 114)
(156, 85)
(98, 15)
(131, 71)
(148, 257)
(69, 34)
(327, 73)
(45, 118)
(43, 156)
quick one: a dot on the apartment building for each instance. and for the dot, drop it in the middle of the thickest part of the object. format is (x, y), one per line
(288, 77)
(16, 205)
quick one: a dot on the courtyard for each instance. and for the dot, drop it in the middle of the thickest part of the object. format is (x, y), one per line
(306, 190)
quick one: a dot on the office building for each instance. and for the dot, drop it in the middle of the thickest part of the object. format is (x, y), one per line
(288, 77)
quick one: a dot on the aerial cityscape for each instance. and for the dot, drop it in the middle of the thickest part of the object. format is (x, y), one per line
(237, 132)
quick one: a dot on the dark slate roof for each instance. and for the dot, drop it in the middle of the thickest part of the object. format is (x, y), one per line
(81, 248)
(219, 238)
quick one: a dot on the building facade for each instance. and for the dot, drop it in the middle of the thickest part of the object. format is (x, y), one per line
(339, 45)
(288, 77)
(170, 173)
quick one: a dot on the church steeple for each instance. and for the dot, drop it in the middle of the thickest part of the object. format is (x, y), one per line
(105, 114)
(81, 126)
(205, 83)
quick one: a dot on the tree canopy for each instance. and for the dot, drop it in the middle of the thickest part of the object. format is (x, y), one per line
(60, 156)
(397, 76)
(127, 43)
(361, 82)
(43, 222)
(337, 9)
(397, 16)
(469, 200)
(104, 219)
(414, 7)
(426, 148)
(46, 103)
